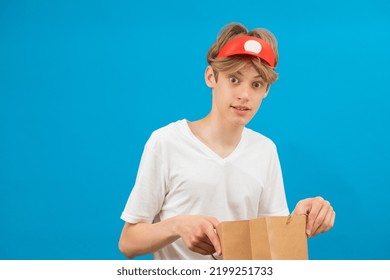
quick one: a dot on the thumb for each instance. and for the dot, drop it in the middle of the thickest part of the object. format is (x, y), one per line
(302, 208)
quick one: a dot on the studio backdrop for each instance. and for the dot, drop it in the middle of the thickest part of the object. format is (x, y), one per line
(84, 83)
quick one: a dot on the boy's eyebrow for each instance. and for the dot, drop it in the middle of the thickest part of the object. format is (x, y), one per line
(258, 76)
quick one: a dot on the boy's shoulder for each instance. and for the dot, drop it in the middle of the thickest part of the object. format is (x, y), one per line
(167, 133)
(169, 129)
(256, 138)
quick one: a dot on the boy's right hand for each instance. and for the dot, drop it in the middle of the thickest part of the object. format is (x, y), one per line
(198, 234)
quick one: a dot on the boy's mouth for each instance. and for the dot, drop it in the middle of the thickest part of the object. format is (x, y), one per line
(241, 108)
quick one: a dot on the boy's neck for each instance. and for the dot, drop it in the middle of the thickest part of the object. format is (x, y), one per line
(219, 136)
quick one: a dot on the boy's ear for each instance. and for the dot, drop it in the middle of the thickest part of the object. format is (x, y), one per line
(209, 77)
(266, 93)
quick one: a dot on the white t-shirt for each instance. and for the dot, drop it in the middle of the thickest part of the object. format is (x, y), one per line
(180, 175)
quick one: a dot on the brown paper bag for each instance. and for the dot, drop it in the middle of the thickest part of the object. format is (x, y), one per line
(269, 238)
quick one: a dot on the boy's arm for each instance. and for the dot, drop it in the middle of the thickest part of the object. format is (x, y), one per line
(197, 233)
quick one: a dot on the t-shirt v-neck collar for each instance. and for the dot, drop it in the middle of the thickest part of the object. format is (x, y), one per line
(206, 149)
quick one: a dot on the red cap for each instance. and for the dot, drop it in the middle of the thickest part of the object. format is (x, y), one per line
(249, 45)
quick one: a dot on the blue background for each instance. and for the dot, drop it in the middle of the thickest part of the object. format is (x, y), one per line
(84, 83)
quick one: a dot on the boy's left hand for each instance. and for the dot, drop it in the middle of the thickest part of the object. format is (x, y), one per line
(319, 212)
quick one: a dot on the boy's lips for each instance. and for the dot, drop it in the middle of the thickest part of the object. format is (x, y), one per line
(241, 108)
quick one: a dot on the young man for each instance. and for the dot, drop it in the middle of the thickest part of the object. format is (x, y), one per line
(194, 174)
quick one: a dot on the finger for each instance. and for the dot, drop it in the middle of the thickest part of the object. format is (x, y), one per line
(213, 237)
(331, 222)
(206, 245)
(326, 224)
(201, 245)
(213, 221)
(304, 206)
(320, 221)
(311, 218)
(301, 209)
(200, 250)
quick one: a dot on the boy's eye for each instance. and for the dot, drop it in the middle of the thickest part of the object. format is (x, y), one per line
(257, 85)
(234, 80)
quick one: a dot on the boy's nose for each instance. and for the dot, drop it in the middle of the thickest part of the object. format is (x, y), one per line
(243, 93)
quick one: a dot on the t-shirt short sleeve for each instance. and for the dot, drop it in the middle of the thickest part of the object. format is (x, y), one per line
(273, 199)
(149, 191)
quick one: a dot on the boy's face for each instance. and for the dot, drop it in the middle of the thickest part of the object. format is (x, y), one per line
(237, 96)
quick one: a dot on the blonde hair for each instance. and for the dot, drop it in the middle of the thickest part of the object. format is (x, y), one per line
(233, 64)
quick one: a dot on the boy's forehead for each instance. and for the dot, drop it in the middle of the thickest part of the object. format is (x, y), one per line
(246, 69)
